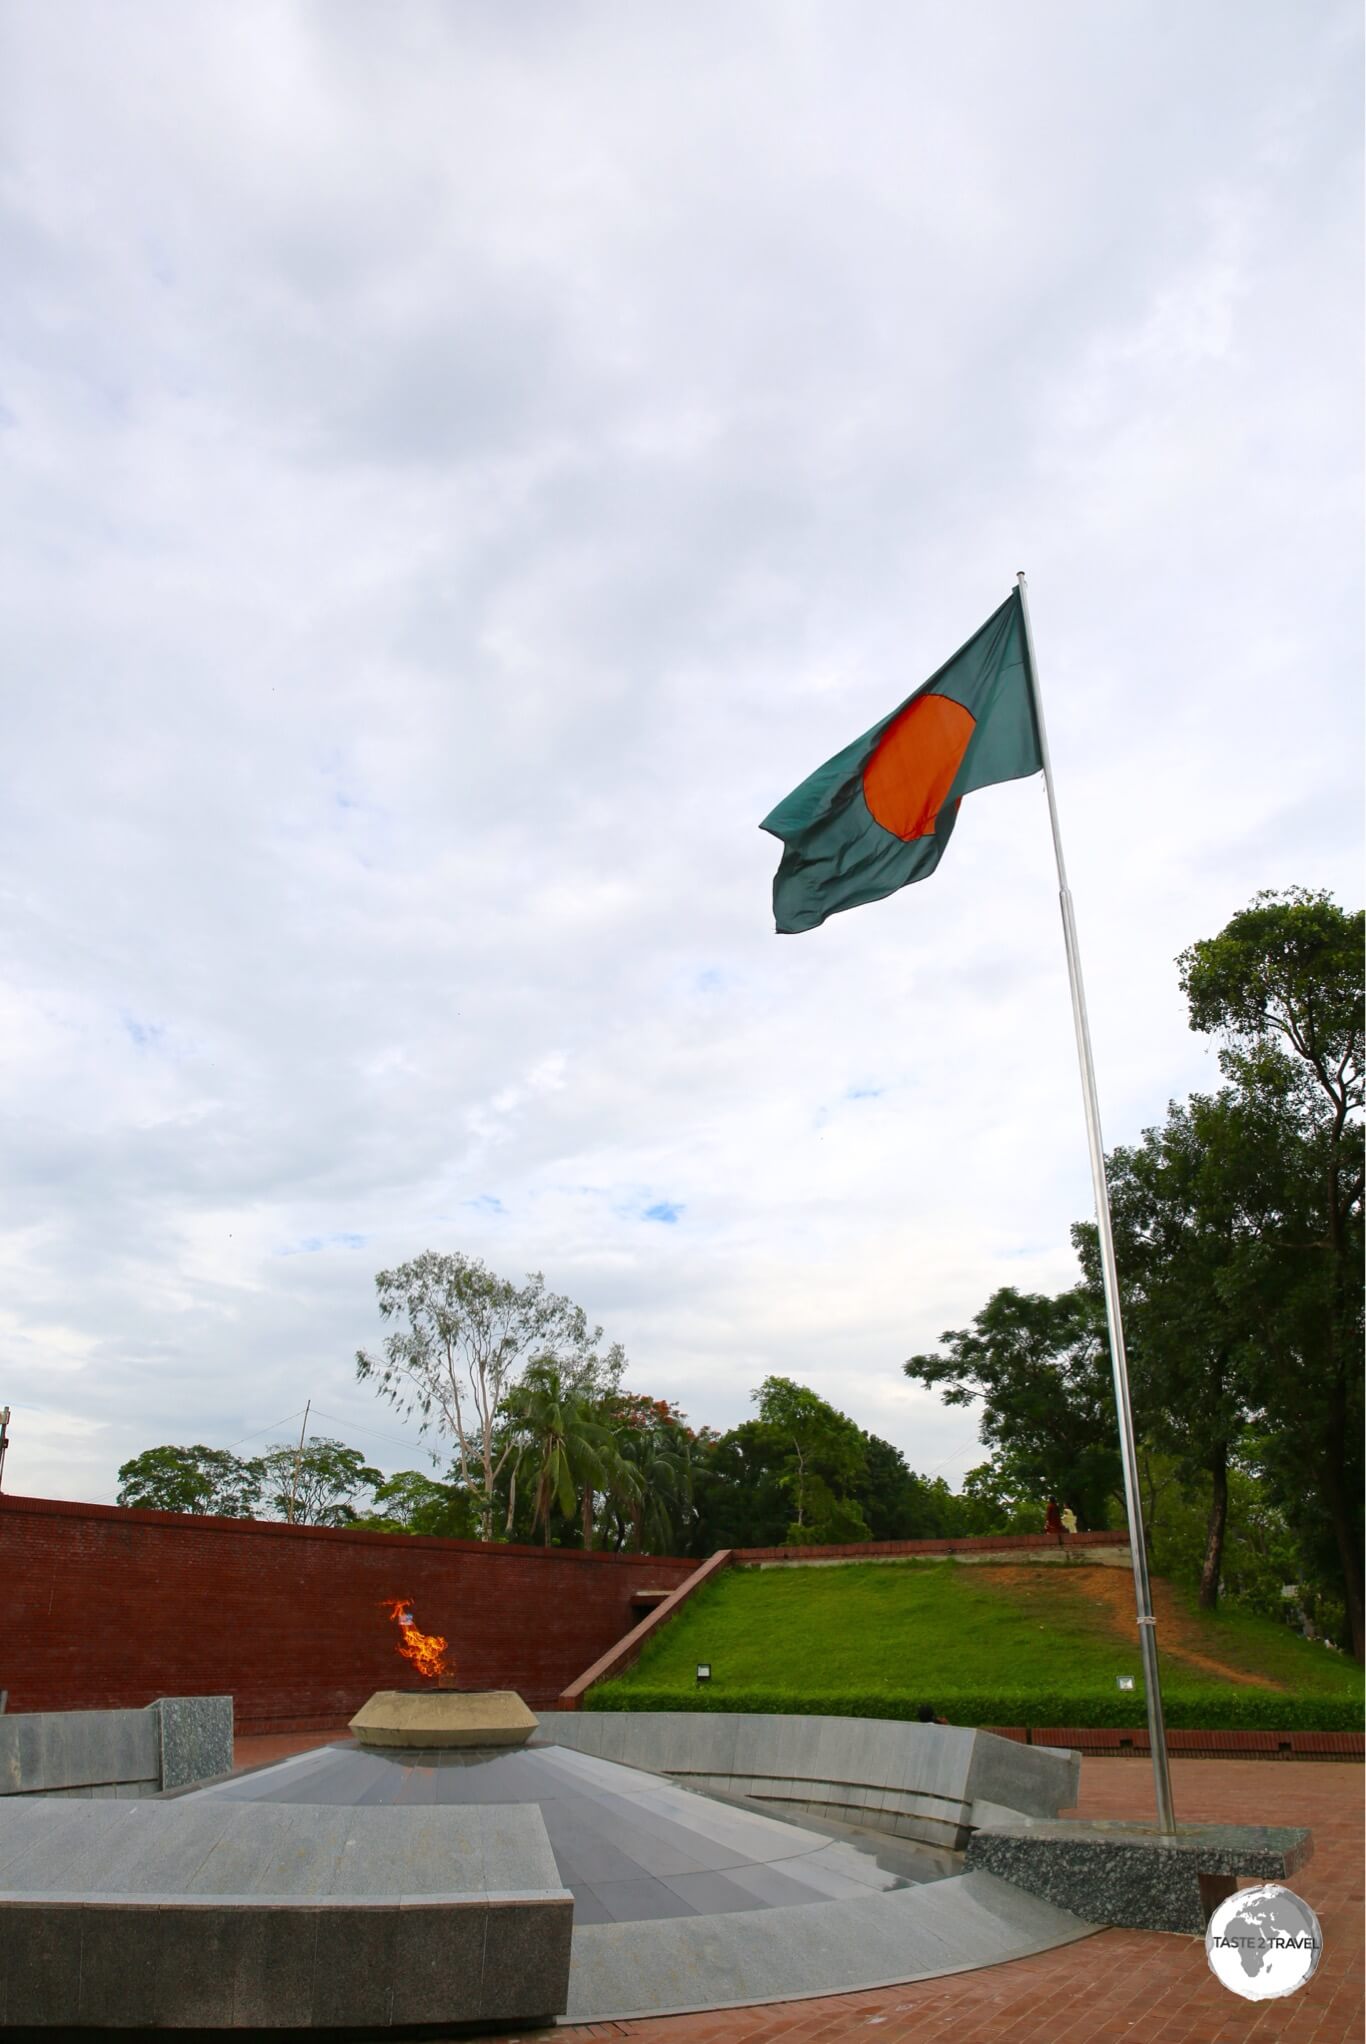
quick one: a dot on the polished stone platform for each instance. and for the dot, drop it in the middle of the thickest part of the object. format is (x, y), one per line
(434, 1719)
(630, 1847)
(685, 1900)
(362, 1887)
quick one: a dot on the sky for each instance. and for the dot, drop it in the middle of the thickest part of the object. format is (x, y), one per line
(460, 466)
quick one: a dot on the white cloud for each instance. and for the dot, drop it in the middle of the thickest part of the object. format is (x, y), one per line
(461, 467)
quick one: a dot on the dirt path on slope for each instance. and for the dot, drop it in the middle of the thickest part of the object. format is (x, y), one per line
(1112, 1591)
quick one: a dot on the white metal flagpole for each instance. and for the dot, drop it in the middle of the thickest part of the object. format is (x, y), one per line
(1147, 1624)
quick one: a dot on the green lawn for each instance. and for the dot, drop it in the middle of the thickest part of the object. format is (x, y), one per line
(988, 1646)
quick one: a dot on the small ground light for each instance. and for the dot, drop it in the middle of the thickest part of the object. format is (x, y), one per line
(1124, 1682)
(704, 1671)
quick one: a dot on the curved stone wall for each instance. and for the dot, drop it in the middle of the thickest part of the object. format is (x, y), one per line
(932, 1783)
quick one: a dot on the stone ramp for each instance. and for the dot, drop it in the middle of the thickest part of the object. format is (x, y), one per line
(629, 1845)
(880, 1940)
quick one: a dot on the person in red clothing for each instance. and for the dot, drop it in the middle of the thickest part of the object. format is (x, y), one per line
(1052, 1519)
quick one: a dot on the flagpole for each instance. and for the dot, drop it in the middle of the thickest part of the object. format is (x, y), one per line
(1147, 1624)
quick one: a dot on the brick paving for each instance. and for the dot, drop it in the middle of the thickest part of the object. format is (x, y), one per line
(1135, 1985)
(263, 1749)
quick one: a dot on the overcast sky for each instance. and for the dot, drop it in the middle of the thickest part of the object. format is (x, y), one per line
(460, 465)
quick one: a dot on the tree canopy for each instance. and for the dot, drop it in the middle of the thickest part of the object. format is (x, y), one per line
(317, 1484)
(1238, 1227)
(1281, 985)
(1041, 1368)
(461, 1338)
(210, 1481)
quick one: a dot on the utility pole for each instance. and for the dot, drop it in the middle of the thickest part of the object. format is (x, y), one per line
(298, 1458)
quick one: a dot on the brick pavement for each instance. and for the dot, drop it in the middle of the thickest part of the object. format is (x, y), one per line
(263, 1749)
(1131, 1985)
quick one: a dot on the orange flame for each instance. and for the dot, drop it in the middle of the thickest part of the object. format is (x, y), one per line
(426, 1650)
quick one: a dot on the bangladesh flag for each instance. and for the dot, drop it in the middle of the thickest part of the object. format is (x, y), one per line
(879, 814)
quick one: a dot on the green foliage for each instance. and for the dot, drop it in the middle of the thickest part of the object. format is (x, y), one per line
(818, 1459)
(895, 1502)
(412, 1502)
(461, 1337)
(1260, 1554)
(1282, 984)
(1041, 1368)
(1185, 1227)
(803, 1474)
(315, 1486)
(563, 1445)
(651, 1510)
(201, 1480)
(1222, 1709)
(1288, 968)
(1240, 1243)
(1000, 1503)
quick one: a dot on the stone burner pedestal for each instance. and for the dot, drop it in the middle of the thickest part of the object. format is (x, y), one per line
(444, 1717)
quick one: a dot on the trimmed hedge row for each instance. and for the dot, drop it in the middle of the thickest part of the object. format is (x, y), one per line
(1224, 1709)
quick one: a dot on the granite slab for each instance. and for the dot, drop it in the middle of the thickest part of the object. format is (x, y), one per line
(203, 1912)
(1137, 1876)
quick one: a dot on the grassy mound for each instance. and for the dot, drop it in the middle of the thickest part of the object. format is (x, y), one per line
(983, 1645)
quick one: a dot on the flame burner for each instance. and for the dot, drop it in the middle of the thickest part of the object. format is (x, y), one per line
(439, 1713)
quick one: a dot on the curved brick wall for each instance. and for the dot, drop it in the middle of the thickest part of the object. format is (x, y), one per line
(109, 1609)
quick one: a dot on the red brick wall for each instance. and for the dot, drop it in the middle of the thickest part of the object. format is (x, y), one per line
(102, 1608)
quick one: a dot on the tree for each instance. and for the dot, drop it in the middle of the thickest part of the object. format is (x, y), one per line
(896, 1503)
(567, 1451)
(318, 1485)
(654, 1511)
(461, 1337)
(412, 1502)
(739, 1487)
(201, 1480)
(1282, 984)
(1041, 1368)
(1186, 1216)
(822, 1460)
(996, 1498)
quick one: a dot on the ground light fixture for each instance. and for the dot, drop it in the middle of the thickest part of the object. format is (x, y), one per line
(704, 1671)
(1124, 1682)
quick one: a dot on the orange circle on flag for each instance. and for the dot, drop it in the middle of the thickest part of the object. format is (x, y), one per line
(913, 765)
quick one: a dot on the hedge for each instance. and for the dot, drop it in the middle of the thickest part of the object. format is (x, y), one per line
(1224, 1709)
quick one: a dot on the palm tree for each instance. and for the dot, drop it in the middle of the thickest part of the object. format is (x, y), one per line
(568, 1451)
(653, 1512)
